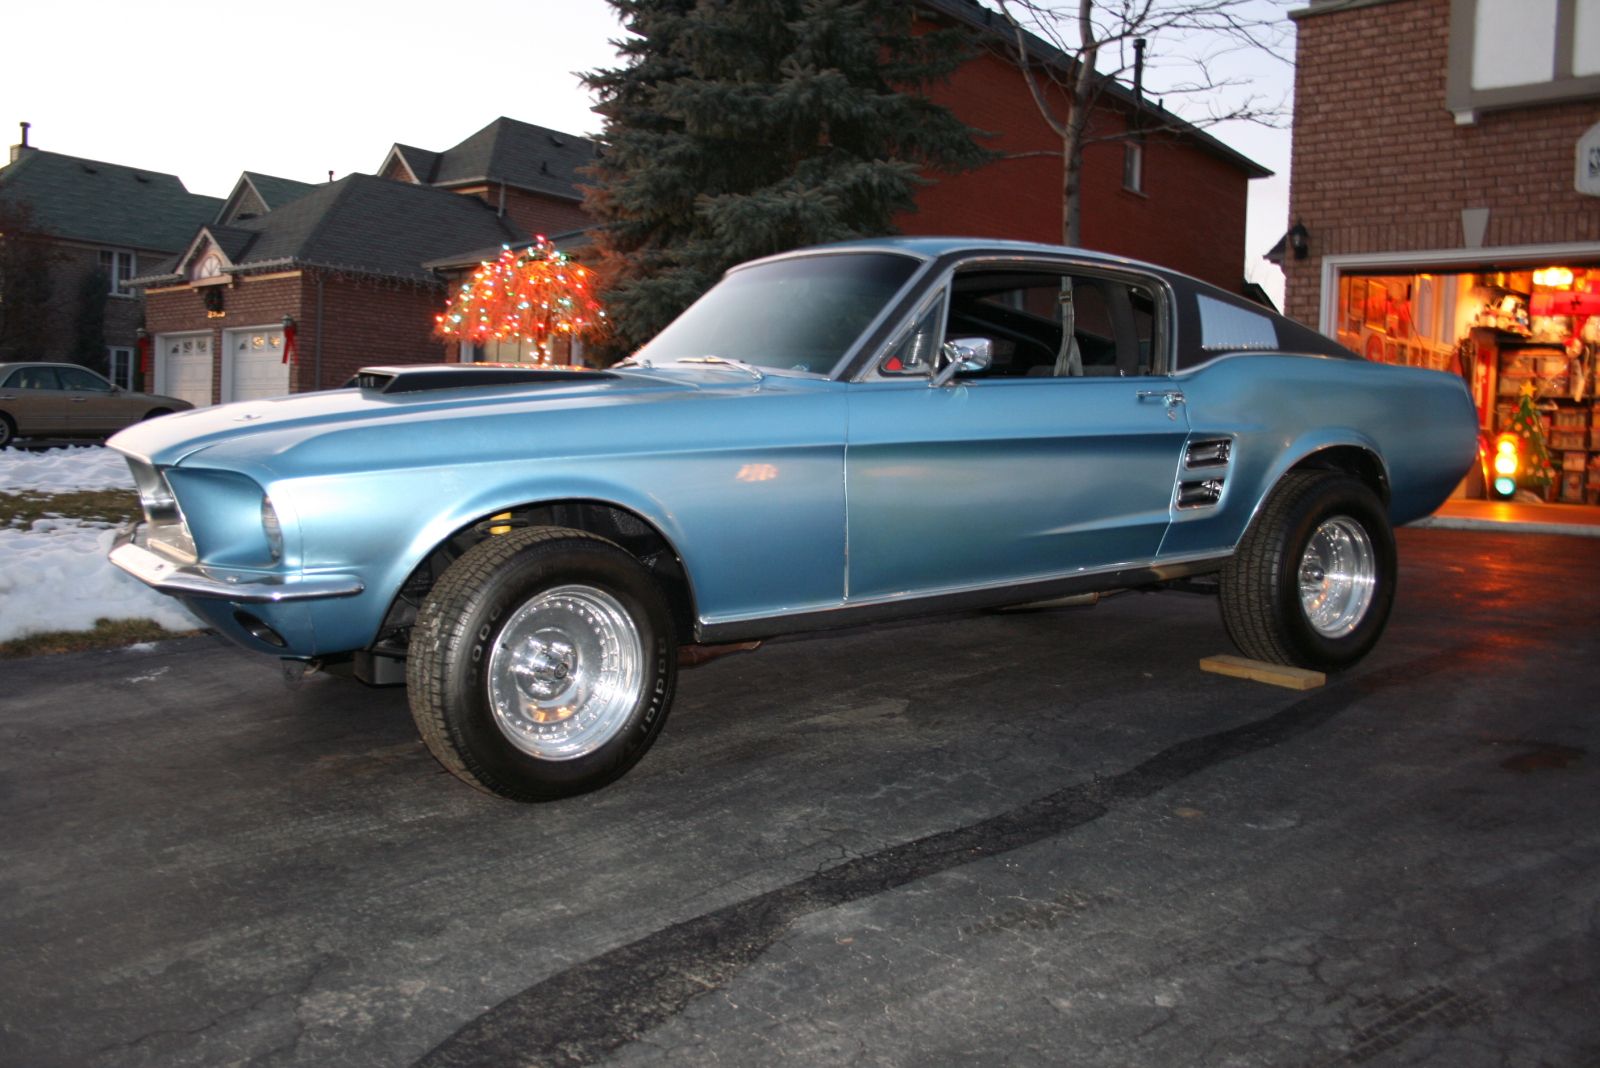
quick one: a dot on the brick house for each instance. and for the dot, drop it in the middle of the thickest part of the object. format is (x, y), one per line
(353, 272)
(77, 232)
(344, 274)
(1446, 169)
(1176, 198)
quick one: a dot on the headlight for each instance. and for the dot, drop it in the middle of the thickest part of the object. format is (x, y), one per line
(273, 529)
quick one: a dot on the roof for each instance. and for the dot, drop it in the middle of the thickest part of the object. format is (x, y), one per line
(989, 22)
(506, 151)
(256, 194)
(105, 203)
(360, 224)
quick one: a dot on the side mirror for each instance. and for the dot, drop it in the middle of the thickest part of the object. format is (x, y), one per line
(964, 356)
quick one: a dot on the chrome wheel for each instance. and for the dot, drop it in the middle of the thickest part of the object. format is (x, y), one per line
(565, 672)
(1338, 576)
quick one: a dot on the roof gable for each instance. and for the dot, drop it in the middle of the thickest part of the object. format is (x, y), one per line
(256, 194)
(507, 152)
(361, 224)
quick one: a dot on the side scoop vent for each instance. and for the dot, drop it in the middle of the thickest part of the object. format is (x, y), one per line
(428, 378)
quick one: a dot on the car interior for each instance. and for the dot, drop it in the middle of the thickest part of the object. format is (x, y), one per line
(1021, 313)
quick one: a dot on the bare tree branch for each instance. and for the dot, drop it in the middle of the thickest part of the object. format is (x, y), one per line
(1060, 46)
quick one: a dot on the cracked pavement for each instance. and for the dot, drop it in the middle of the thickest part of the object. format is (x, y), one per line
(1029, 838)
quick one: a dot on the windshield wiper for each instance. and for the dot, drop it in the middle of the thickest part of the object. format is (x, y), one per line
(748, 368)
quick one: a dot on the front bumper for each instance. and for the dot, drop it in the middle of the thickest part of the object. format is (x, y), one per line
(224, 584)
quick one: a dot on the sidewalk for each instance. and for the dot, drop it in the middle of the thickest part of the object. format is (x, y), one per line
(1460, 514)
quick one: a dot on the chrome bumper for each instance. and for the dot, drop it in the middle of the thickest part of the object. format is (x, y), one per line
(246, 587)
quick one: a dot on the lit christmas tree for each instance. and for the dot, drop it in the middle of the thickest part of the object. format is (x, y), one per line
(1537, 470)
(536, 294)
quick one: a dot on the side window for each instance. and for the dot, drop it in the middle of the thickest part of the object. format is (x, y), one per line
(1045, 323)
(79, 379)
(35, 378)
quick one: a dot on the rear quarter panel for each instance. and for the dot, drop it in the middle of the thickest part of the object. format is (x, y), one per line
(1281, 409)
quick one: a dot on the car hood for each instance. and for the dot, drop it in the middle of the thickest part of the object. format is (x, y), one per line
(367, 427)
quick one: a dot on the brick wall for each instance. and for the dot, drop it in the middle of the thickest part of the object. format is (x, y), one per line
(1379, 165)
(1190, 216)
(364, 321)
(531, 213)
(70, 265)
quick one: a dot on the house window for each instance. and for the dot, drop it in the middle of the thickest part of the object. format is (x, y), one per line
(1510, 53)
(1133, 167)
(119, 267)
(119, 365)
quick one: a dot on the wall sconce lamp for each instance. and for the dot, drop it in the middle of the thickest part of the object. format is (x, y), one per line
(1300, 240)
(288, 322)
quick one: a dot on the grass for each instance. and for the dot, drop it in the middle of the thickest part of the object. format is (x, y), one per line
(111, 507)
(107, 634)
(85, 506)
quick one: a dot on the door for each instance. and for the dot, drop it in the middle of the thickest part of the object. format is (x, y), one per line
(1060, 457)
(32, 397)
(184, 367)
(92, 405)
(253, 365)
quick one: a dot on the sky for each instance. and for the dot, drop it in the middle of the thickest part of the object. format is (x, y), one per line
(297, 88)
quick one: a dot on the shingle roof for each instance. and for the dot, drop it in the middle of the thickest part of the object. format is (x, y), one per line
(365, 225)
(276, 192)
(105, 203)
(516, 153)
(421, 161)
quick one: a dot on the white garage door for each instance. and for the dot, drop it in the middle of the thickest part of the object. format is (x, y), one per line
(252, 366)
(183, 367)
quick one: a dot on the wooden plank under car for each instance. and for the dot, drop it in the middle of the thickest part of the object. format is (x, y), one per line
(1291, 678)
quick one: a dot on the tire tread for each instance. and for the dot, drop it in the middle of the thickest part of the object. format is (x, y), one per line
(440, 626)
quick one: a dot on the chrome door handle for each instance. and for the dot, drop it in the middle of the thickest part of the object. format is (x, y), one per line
(1169, 397)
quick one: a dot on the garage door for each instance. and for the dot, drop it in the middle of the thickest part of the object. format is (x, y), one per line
(253, 365)
(184, 369)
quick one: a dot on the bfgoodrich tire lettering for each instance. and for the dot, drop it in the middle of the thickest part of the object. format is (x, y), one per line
(542, 664)
(1312, 581)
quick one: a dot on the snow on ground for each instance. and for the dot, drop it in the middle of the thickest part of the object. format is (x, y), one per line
(55, 575)
(81, 467)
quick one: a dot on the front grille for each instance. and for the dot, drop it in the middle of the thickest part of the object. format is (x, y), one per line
(166, 530)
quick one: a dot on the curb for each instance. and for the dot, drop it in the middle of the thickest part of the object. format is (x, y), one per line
(1505, 526)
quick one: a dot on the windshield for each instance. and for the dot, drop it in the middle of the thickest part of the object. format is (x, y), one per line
(799, 315)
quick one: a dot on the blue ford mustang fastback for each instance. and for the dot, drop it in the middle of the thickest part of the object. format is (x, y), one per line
(828, 437)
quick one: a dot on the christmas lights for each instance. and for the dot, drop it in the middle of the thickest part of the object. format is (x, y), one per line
(536, 294)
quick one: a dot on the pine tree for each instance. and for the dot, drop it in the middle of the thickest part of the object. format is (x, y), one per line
(740, 128)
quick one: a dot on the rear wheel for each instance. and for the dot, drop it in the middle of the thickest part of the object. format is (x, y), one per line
(542, 664)
(1312, 581)
(8, 430)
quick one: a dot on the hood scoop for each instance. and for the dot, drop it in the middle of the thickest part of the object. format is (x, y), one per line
(429, 377)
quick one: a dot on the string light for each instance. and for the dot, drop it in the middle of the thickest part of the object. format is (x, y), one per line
(537, 295)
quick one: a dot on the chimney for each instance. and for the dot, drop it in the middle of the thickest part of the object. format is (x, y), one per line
(18, 149)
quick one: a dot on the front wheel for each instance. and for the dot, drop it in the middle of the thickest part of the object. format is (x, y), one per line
(1312, 581)
(542, 664)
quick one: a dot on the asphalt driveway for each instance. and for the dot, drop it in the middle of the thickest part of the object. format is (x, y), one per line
(1023, 838)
